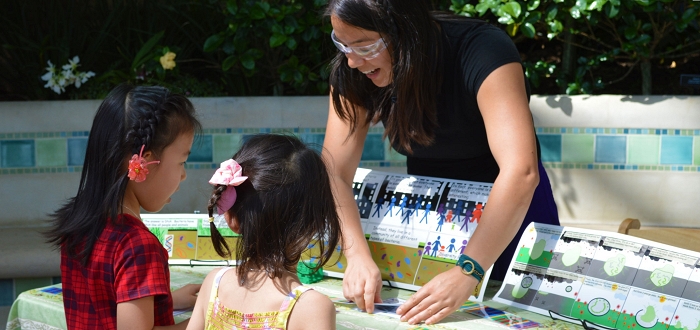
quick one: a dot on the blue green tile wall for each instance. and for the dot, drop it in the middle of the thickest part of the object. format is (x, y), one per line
(586, 148)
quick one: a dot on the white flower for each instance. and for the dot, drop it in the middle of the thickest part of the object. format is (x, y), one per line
(82, 77)
(58, 81)
(72, 64)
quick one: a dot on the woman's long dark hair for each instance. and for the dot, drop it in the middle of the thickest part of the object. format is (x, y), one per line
(408, 104)
(128, 118)
(285, 204)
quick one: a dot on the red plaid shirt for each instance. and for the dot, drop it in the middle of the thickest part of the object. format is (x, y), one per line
(127, 263)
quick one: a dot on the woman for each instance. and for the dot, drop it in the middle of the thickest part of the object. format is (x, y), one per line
(452, 97)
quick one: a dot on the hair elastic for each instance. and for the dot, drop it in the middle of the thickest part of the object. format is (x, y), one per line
(137, 166)
(229, 174)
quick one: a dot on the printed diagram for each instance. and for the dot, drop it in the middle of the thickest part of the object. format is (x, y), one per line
(647, 310)
(617, 261)
(537, 245)
(571, 259)
(687, 315)
(608, 279)
(600, 301)
(574, 253)
(598, 306)
(662, 276)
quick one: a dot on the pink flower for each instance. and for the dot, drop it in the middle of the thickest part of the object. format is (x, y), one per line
(137, 167)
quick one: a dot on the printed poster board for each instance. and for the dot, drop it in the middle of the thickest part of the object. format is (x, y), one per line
(416, 227)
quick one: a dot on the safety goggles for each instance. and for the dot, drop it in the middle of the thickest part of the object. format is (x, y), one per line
(366, 52)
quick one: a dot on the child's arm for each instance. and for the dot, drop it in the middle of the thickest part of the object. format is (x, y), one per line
(186, 296)
(138, 315)
(313, 311)
(200, 308)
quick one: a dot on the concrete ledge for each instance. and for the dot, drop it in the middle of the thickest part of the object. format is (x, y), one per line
(26, 254)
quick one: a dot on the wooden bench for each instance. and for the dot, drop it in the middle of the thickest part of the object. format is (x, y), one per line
(685, 238)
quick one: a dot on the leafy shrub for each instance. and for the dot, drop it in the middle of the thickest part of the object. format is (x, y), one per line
(275, 45)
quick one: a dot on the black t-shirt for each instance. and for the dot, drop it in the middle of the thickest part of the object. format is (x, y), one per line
(471, 51)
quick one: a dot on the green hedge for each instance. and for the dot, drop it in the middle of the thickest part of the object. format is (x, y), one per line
(282, 47)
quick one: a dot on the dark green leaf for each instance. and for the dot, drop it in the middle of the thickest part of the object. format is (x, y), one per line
(212, 43)
(277, 39)
(533, 4)
(228, 63)
(248, 63)
(232, 7)
(292, 43)
(264, 6)
(512, 8)
(528, 30)
(257, 13)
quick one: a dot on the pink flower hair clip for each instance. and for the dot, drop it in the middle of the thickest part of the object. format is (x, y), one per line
(229, 174)
(137, 166)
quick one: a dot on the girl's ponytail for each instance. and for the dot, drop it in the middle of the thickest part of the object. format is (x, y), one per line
(220, 245)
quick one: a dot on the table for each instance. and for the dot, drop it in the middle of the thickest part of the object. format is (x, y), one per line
(42, 308)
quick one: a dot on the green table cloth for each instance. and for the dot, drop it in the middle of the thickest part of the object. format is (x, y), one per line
(42, 308)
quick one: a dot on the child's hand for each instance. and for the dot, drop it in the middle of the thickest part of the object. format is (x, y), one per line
(186, 296)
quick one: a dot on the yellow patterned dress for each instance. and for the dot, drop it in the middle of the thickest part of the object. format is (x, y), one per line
(221, 318)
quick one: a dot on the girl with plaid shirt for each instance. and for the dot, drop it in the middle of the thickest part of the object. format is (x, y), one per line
(114, 272)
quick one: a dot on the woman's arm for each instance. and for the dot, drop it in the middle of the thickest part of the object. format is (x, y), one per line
(342, 152)
(504, 106)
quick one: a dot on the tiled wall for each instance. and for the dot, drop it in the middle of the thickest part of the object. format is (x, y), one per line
(602, 153)
(576, 148)
(620, 148)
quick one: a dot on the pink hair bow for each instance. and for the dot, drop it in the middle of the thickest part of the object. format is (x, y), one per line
(230, 174)
(137, 166)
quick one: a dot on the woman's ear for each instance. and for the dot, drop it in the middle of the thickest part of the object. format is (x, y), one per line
(232, 222)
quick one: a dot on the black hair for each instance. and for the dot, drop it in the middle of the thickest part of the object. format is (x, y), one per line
(414, 40)
(285, 204)
(127, 119)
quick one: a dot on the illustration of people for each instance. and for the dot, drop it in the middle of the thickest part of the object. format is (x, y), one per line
(425, 214)
(441, 217)
(436, 247)
(378, 206)
(416, 206)
(458, 211)
(476, 214)
(427, 249)
(406, 216)
(451, 247)
(464, 245)
(402, 205)
(448, 217)
(467, 215)
(391, 207)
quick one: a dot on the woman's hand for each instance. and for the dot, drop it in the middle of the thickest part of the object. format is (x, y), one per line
(444, 294)
(362, 282)
(186, 296)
